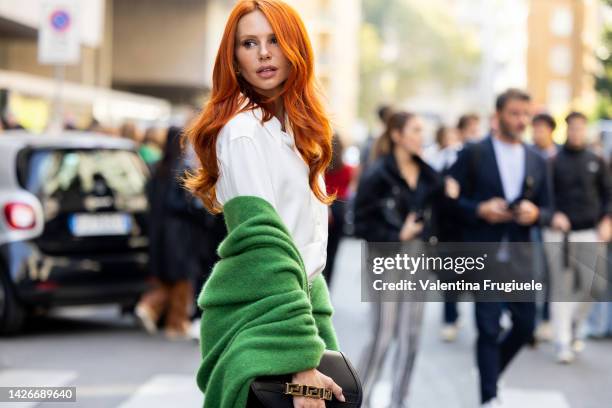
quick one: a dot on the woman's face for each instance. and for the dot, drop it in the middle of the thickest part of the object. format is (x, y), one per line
(260, 59)
(410, 139)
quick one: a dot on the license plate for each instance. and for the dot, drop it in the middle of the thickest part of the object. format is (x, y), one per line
(87, 225)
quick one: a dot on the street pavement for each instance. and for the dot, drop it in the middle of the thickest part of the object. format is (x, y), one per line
(115, 364)
(445, 374)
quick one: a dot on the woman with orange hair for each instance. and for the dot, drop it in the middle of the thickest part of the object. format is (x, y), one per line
(264, 141)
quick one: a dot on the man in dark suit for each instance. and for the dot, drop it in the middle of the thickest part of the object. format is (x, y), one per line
(504, 191)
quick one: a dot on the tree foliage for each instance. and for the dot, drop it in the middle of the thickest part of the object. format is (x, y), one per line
(603, 79)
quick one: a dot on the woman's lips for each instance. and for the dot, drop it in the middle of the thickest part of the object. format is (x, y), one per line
(267, 73)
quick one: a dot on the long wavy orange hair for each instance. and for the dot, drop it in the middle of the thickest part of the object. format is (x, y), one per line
(231, 94)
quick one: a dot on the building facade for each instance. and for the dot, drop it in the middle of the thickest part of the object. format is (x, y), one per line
(333, 26)
(30, 91)
(563, 36)
(141, 59)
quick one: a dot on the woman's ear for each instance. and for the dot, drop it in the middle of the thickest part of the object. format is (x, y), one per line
(395, 136)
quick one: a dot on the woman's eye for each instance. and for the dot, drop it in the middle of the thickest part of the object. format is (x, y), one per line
(274, 40)
(248, 43)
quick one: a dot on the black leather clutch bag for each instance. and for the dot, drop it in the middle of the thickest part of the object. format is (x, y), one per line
(270, 391)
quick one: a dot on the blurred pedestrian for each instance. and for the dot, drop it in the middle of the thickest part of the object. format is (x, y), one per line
(468, 127)
(544, 126)
(443, 153)
(581, 223)
(70, 121)
(95, 126)
(394, 203)
(367, 155)
(10, 122)
(263, 142)
(129, 130)
(338, 177)
(449, 229)
(150, 149)
(172, 258)
(600, 319)
(208, 231)
(503, 193)
(451, 142)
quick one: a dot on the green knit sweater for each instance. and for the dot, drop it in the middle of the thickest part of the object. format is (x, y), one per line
(259, 315)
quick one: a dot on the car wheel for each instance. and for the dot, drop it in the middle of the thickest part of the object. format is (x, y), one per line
(12, 313)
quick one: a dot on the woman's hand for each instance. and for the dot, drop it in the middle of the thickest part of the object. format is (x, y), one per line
(411, 228)
(452, 189)
(314, 377)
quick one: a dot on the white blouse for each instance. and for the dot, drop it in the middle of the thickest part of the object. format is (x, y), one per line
(263, 161)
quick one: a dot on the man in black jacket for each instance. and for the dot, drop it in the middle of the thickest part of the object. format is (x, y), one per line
(581, 182)
(583, 205)
(503, 193)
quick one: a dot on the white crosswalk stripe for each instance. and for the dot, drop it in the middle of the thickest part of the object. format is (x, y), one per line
(511, 398)
(164, 390)
(34, 378)
(167, 390)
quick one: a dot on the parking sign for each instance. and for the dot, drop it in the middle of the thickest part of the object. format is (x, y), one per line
(58, 36)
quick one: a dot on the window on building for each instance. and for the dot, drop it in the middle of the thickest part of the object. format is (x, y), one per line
(560, 60)
(559, 95)
(562, 21)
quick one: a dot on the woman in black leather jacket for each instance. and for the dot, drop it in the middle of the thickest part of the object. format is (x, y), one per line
(398, 191)
(396, 202)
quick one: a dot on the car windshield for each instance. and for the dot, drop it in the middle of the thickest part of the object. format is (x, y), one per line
(49, 173)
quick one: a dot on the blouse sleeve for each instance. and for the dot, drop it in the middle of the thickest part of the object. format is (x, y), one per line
(243, 171)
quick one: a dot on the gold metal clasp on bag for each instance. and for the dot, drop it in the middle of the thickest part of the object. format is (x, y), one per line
(309, 391)
(327, 394)
(314, 392)
(293, 389)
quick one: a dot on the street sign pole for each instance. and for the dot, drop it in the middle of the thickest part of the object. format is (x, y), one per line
(56, 122)
(58, 45)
